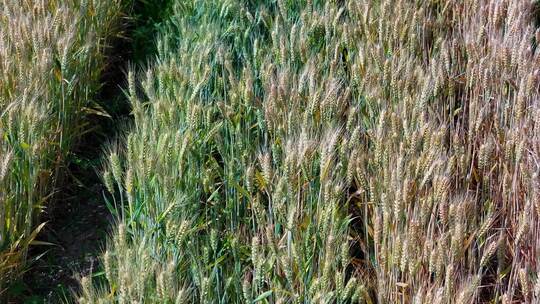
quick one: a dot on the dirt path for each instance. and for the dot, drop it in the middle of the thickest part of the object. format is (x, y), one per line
(78, 222)
(77, 226)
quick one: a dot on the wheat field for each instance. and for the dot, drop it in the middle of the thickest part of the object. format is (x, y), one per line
(283, 151)
(330, 152)
(51, 55)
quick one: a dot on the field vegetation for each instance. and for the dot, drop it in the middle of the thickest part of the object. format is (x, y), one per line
(330, 152)
(51, 57)
(281, 151)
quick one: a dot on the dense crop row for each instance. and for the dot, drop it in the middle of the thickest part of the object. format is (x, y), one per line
(331, 152)
(51, 56)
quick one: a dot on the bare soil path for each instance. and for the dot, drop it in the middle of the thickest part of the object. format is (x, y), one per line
(78, 221)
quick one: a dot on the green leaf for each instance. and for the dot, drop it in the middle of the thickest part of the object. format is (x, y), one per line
(41, 243)
(96, 109)
(98, 274)
(263, 296)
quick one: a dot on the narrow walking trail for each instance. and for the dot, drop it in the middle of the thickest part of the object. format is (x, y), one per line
(78, 221)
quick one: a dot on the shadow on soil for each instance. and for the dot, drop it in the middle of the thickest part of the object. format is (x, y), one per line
(78, 221)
